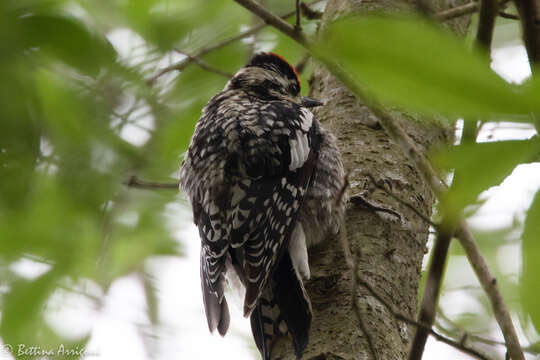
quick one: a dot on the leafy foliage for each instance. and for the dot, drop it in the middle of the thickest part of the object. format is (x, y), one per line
(531, 271)
(477, 169)
(78, 117)
(409, 62)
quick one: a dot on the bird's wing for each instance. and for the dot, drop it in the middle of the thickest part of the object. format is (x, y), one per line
(277, 165)
(246, 180)
(202, 178)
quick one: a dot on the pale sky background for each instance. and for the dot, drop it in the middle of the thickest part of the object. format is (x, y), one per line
(120, 327)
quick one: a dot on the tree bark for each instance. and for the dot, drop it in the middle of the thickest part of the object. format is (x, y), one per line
(389, 249)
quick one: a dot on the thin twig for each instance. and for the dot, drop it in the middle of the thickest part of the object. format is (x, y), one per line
(205, 66)
(506, 15)
(457, 11)
(298, 16)
(401, 201)
(182, 64)
(134, 182)
(359, 200)
(273, 20)
(474, 337)
(309, 13)
(461, 10)
(489, 284)
(409, 148)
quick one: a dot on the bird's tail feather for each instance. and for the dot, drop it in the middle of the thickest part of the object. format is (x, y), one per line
(281, 310)
(215, 304)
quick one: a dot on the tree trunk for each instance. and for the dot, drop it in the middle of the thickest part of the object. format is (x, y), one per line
(390, 250)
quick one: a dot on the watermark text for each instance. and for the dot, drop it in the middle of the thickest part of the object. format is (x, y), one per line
(38, 351)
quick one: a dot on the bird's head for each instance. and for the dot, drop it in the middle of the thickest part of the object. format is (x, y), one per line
(269, 76)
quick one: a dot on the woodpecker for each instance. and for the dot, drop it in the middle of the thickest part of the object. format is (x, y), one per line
(265, 182)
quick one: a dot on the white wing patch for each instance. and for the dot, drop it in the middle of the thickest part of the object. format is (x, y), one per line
(298, 251)
(306, 119)
(299, 144)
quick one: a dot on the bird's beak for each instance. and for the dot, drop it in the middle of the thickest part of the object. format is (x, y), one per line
(309, 102)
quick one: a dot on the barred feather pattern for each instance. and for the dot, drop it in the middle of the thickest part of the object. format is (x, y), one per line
(256, 165)
(246, 179)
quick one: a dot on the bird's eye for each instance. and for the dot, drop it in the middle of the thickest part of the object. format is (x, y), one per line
(294, 89)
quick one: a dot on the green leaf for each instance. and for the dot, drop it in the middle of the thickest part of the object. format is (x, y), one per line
(68, 40)
(19, 134)
(138, 232)
(480, 166)
(22, 308)
(529, 282)
(409, 62)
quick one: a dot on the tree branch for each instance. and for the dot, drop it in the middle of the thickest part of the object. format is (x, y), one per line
(273, 20)
(182, 64)
(402, 139)
(359, 200)
(457, 11)
(484, 35)
(309, 13)
(134, 182)
(205, 66)
(528, 14)
(461, 10)
(506, 15)
(486, 23)
(489, 284)
(473, 337)
(428, 309)
(298, 16)
(401, 201)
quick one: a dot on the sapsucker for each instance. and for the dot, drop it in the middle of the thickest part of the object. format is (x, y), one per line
(265, 181)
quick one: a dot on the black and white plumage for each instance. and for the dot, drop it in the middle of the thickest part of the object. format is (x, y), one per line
(264, 180)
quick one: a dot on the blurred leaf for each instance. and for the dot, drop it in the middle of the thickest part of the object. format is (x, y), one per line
(230, 59)
(530, 277)
(150, 292)
(535, 347)
(137, 232)
(193, 89)
(68, 40)
(19, 135)
(22, 307)
(480, 166)
(473, 322)
(166, 23)
(408, 62)
(54, 226)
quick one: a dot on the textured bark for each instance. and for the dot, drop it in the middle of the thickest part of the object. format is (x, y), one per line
(390, 250)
